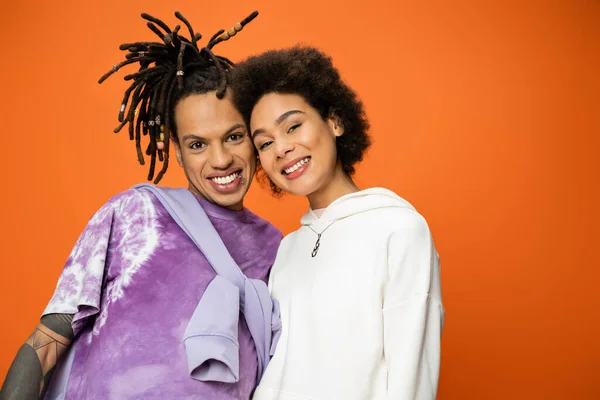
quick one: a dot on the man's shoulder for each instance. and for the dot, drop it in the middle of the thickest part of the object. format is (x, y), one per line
(128, 205)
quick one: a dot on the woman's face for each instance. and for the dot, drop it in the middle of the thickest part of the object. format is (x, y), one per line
(295, 145)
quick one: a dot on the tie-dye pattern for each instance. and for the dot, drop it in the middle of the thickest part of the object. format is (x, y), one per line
(133, 281)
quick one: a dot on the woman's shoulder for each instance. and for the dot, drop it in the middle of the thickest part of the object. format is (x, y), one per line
(391, 211)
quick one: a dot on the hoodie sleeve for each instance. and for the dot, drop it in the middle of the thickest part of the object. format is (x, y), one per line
(413, 314)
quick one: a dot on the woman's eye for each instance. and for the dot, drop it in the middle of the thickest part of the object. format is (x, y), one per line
(235, 137)
(264, 145)
(293, 128)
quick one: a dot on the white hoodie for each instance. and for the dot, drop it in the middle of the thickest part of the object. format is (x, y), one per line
(363, 318)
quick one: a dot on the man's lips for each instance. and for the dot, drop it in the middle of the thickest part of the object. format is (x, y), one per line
(222, 174)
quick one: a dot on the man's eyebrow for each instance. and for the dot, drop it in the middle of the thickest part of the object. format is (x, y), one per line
(233, 128)
(278, 121)
(192, 136)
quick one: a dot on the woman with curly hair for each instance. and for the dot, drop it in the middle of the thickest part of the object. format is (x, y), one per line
(359, 283)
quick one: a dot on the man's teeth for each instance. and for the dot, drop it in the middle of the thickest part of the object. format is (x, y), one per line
(296, 166)
(224, 180)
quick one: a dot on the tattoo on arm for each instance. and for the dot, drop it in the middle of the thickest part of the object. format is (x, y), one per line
(59, 323)
(34, 364)
(50, 340)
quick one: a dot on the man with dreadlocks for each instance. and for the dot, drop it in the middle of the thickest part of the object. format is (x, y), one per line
(120, 318)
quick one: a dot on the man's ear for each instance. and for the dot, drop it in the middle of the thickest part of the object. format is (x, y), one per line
(178, 152)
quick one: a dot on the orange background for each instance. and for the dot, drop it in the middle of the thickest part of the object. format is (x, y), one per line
(485, 115)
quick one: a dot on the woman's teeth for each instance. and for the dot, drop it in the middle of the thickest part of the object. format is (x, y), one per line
(296, 166)
(224, 180)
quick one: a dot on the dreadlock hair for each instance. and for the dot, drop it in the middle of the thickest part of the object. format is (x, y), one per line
(168, 71)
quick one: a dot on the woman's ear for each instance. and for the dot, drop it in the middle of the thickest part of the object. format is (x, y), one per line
(335, 123)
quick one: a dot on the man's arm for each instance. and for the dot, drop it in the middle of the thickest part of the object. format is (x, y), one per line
(32, 368)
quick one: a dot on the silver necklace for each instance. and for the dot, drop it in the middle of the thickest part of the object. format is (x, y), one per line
(318, 242)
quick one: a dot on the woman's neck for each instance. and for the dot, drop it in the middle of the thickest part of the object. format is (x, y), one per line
(339, 185)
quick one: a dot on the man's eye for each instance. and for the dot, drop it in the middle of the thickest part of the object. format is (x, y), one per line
(197, 145)
(235, 137)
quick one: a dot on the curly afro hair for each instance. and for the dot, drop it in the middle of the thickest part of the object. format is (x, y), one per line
(308, 72)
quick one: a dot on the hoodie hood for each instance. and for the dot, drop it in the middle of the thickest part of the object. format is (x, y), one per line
(356, 203)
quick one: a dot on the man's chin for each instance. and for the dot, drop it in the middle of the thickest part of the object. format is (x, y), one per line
(233, 202)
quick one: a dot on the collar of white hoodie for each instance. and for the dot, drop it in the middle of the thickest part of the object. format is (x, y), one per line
(355, 203)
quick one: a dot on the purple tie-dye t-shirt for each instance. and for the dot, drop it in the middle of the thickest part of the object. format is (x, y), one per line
(133, 281)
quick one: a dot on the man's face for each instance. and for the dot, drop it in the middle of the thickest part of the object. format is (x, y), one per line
(214, 149)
